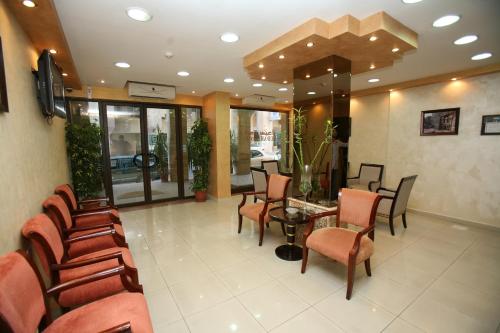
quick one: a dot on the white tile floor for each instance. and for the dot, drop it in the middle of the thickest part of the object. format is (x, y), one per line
(200, 275)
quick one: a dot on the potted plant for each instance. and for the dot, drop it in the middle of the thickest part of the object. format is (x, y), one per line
(199, 147)
(83, 141)
(161, 151)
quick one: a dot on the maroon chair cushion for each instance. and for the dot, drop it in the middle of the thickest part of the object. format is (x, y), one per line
(91, 220)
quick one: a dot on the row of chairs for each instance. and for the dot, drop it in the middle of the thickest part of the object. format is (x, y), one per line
(82, 251)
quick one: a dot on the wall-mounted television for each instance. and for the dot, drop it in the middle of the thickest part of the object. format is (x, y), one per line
(50, 87)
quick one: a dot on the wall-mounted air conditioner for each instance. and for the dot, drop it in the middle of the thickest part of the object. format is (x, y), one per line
(261, 100)
(142, 89)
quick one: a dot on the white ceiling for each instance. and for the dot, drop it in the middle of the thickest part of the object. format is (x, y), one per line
(100, 33)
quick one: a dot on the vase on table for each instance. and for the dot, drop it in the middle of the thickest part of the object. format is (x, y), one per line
(305, 183)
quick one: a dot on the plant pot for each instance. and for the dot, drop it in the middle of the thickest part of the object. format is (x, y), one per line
(200, 196)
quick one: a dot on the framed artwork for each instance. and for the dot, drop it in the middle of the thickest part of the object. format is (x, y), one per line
(491, 125)
(4, 105)
(439, 122)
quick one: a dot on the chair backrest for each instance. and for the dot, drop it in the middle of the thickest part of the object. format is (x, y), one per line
(277, 187)
(402, 195)
(58, 211)
(259, 177)
(66, 192)
(357, 207)
(370, 172)
(22, 304)
(271, 167)
(45, 240)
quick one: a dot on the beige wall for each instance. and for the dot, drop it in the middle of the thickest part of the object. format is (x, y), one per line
(458, 176)
(33, 153)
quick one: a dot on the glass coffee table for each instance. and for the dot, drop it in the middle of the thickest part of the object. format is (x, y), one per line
(289, 251)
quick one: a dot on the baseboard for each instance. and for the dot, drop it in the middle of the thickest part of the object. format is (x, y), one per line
(455, 219)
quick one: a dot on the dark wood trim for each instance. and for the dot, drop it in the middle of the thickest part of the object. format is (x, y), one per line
(4, 105)
(257, 108)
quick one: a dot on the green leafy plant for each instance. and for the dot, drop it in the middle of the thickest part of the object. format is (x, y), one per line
(233, 148)
(199, 147)
(161, 151)
(83, 141)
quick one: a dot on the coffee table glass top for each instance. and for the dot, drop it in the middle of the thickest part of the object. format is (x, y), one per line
(280, 214)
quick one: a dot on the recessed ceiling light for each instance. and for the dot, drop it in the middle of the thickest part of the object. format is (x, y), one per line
(335, 75)
(64, 74)
(236, 95)
(261, 65)
(329, 69)
(229, 80)
(102, 81)
(310, 44)
(283, 89)
(193, 92)
(373, 80)
(445, 21)
(139, 14)
(257, 84)
(286, 101)
(481, 56)
(263, 77)
(29, 3)
(229, 37)
(391, 90)
(373, 38)
(410, 1)
(183, 73)
(308, 76)
(372, 66)
(453, 78)
(394, 50)
(285, 82)
(311, 93)
(122, 64)
(281, 56)
(52, 51)
(465, 40)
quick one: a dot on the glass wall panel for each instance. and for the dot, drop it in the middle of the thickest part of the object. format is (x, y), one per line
(188, 117)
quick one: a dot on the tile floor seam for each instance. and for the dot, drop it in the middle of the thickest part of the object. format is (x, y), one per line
(251, 314)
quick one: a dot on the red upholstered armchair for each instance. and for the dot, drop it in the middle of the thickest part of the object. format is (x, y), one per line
(346, 246)
(24, 303)
(52, 252)
(111, 232)
(275, 192)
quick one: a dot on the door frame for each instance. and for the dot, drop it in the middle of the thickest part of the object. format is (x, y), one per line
(106, 162)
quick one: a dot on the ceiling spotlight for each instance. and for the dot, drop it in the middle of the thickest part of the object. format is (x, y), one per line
(229, 37)
(281, 56)
(394, 50)
(310, 44)
(283, 89)
(193, 92)
(373, 38)
(329, 69)
(391, 90)
(481, 56)
(286, 101)
(29, 3)
(311, 93)
(229, 80)
(445, 21)
(139, 14)
(285, 82)
(308, 76)
(409, 2)
(183, 73)
(335, 75)
(236, 95)
(169, 55)
(263, 78)
(373, 80)
(122, 64)
(453, 78)
(52, 51)
(257, 84)
(372, 66)
(64, 74)
(465, 40)
(261, 65)
(102, 81)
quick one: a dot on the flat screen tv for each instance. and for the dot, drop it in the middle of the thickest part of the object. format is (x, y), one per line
(50, 87)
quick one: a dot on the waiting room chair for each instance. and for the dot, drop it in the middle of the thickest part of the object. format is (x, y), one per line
(259, 178)
(369, 177)
(52, 252)
(346, 246)
(276, 190)
(394, 202)
(24, 303)
(112, 233)
(271, 167)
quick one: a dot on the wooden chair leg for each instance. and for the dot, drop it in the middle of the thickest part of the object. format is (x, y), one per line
(240, 222)
(367, 267)
(351, 270)
(283, 229)
(305, 253)
(261, 232)
(391, 225)
(404, 219)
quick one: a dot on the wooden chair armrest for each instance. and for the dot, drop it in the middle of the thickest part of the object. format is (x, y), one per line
(125, 327)
(92, 210)
(90, 236)
(287, 174)
(385, 189)
(355, 248)
(92, 213)
(386, 197)
(89, 227)
(372, 183)
(353, 177)
(115, 255)
(245, 194)
(86, 201)
(310, 225)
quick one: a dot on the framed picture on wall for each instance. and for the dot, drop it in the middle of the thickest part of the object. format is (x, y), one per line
(491, 125)
(4, 105)
(439, 122)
